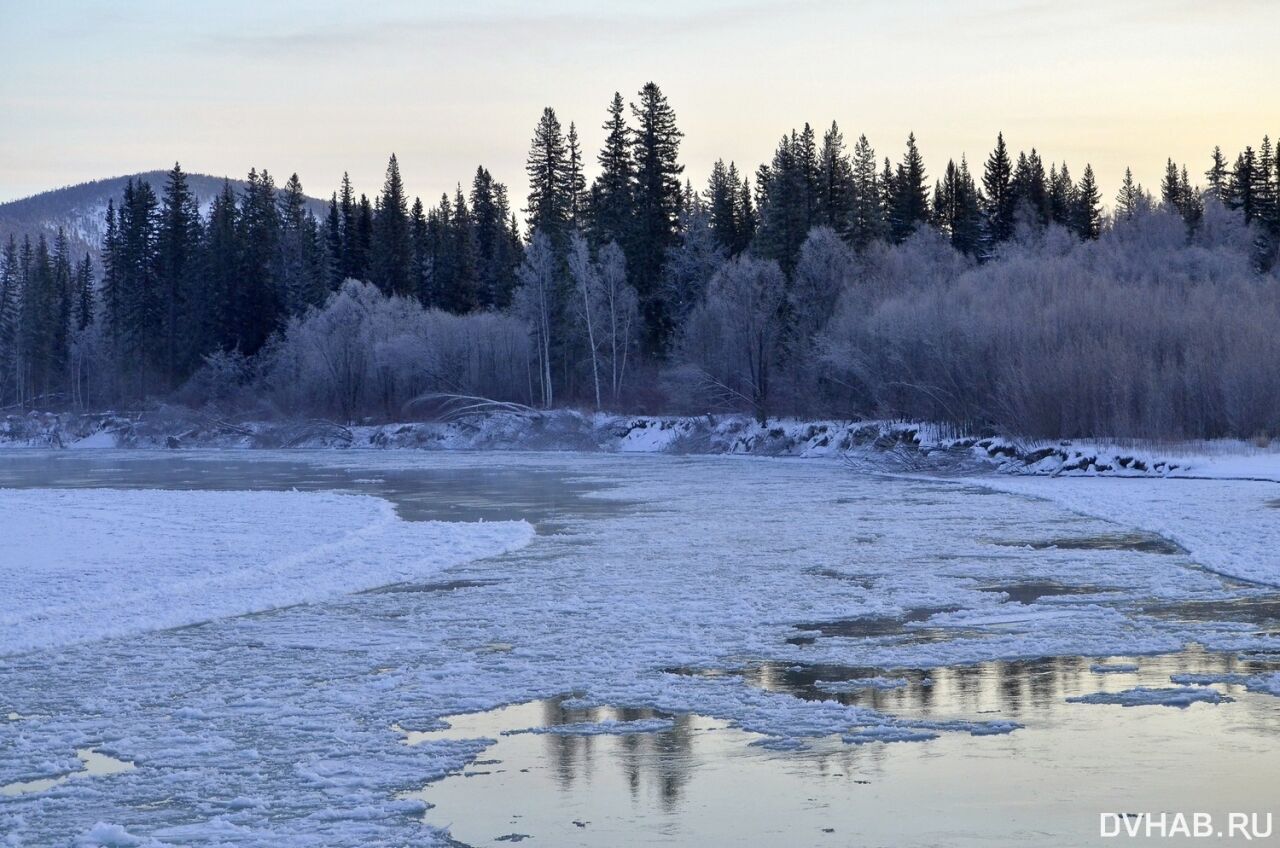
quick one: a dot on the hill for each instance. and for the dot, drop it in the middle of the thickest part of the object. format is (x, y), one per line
(81, 209)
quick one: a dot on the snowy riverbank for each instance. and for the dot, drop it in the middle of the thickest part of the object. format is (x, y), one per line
(891, 446)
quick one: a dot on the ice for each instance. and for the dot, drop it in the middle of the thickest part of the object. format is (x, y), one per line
(853, 685)
(1140, 696)
(280, 728)
(87, 564)
(888, 733)
(608, 727)
(1227, 526)
(1114, 668)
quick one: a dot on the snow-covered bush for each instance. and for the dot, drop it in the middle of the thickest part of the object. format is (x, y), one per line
(1139, 334)
(368, 354)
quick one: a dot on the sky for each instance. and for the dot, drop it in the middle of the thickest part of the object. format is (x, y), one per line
(97, 89)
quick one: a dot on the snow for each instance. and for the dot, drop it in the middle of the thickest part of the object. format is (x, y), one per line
(94, 563)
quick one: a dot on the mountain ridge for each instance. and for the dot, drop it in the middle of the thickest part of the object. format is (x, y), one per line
(80, 209)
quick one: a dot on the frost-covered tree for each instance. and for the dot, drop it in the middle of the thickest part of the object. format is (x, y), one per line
(691, 264)
(537, 301)
(733, 339)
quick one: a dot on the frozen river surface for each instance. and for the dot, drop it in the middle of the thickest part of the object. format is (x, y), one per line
(351, 648)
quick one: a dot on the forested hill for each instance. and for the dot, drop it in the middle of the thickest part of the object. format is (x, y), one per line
(81, 209)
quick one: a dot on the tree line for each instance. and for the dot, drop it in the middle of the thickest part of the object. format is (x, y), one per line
(626, 283)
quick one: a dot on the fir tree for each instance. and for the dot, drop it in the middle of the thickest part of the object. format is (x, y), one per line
(1217, 175)
(1087, 217)
(333, 244)
(787, 205)
(657, 193)
(747, 218)
(1243, 184)
(835, 200)
(576, 181)
(420, 265)
(178, 247)
(910, 207)
(549, 205)
(1129, 197)
(867, 222)
(722, 200)
(298, 266)
(496, 256)
(350, 264)
(362, 247)
(259, 304)
(389, 263)
(84, 294)
(220, 292)
(611, 193)
(1062, 197)
(997, 185)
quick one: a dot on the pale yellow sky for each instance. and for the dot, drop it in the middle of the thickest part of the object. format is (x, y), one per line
(95, 89)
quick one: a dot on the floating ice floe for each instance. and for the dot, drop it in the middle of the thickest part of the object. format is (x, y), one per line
(1114, 668)
(1141, 696)
(607, 727)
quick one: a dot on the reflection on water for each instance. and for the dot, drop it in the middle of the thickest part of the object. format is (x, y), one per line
(93, 764)
(1141, 542)
(703, 783)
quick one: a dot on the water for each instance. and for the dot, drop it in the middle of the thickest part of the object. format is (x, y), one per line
(730, 597)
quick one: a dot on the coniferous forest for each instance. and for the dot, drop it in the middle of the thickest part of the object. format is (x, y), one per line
(832, 280)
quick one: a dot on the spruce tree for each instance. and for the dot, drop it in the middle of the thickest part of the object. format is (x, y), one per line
(1087, 218)
(1129, 197)
(112, 314)
(389, 263)
(495, 255)
(997, 185)
(836, 204)
(179, 241)
(362, 249)
(657, 193)
(722, 200)
(350, 263)
(333, 244)
(1217, 175)
(420, 266)
(549, 204)
(747, 218)
(1240, 194)
(787, 205)
(910, 206)
(259, 304)
(867, 223)
(84, 294)
(297, 268)
(611, 193)
(576, 181)
(464, 295)
(220, 291)
(140, 302)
